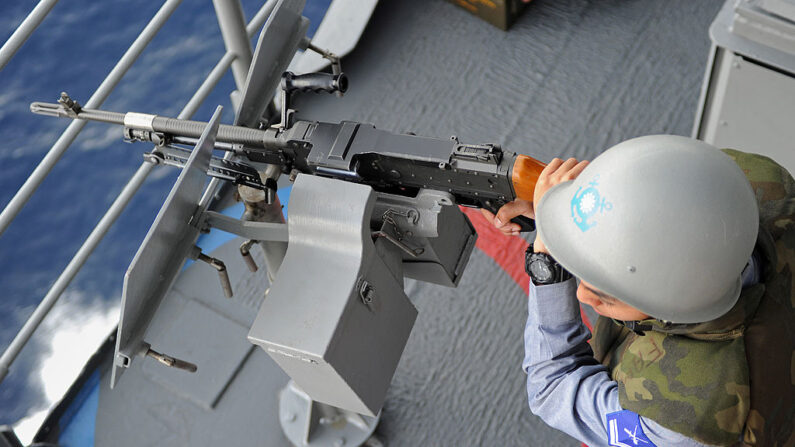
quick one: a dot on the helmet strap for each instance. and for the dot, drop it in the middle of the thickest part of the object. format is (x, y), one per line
(637, 327)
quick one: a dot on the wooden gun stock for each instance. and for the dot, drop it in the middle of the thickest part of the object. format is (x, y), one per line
(524, 176)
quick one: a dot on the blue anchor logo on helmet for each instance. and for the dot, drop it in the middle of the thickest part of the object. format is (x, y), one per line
(586, 204)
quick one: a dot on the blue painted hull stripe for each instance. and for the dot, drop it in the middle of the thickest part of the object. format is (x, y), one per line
(79, 420)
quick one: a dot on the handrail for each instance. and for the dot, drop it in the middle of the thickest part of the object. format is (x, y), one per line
(56, 151)
(77, 262)
(24, 30)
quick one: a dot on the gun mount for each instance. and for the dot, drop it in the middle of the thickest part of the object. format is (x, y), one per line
(336, 319)
(369, 208)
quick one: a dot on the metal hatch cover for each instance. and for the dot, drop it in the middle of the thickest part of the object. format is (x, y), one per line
(162, 253)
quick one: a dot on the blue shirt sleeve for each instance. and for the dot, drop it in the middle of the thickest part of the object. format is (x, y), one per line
(566, 386)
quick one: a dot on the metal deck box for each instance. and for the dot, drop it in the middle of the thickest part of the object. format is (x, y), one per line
(748, 97)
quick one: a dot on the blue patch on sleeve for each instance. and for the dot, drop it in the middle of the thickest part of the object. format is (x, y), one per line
(624, 430)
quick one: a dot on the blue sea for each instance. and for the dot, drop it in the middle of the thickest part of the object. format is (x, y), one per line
(73, 50)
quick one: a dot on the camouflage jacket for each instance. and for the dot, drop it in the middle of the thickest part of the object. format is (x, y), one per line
(730, 381)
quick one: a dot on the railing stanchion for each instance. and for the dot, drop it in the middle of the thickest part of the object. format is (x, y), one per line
(233, 30)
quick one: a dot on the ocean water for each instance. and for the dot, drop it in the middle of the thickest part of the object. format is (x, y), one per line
(73, 50)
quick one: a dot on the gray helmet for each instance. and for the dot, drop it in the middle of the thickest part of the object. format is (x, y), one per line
(664, 223)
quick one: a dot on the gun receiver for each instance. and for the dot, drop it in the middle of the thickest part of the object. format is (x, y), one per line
(482, 176)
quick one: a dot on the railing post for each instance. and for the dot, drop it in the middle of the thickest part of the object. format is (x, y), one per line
(233, 30)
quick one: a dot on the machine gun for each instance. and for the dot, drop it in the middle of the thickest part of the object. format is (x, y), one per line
(368, 208)
(415, 183)
(475, 175)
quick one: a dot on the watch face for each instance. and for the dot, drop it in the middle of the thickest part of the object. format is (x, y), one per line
(541, 271)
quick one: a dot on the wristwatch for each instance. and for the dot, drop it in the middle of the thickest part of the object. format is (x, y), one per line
(543, 268)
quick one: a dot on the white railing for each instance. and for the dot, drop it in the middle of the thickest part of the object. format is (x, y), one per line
(238, 56)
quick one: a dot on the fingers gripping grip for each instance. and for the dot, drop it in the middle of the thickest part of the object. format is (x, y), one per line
(314, 82)
(525, 223)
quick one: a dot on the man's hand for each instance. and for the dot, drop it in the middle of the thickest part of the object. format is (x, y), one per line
(502, 220)
(557, 171)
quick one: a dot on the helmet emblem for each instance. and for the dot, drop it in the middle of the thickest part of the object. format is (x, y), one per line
(587, 203)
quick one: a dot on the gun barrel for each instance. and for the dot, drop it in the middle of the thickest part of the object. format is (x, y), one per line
(226, 133)
(44, 108)
(168, 126)
(59, 110)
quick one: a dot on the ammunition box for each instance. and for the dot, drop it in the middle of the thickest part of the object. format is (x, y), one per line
(500, 13)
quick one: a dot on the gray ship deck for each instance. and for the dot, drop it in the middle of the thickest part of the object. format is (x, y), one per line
(571, 78)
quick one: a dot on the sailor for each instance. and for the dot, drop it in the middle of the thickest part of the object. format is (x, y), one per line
(687, 254)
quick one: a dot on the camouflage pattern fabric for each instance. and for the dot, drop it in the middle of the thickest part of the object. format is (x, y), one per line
(730, 381)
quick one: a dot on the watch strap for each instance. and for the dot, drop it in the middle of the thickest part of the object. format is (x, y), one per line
(559, 274)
